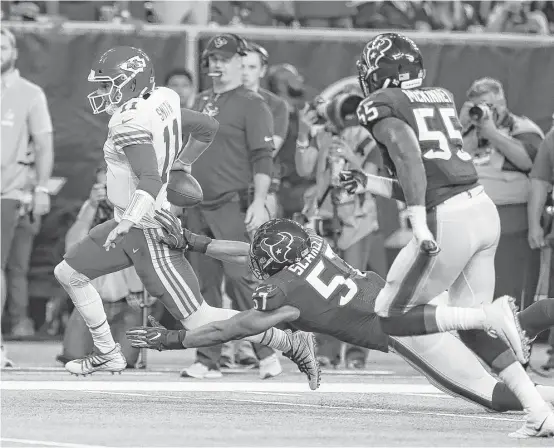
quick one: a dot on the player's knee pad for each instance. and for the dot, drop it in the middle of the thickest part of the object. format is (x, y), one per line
(67, 276)
(206, 314)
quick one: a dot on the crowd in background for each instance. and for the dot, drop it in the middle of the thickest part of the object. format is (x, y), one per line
(535, 17)
(314, 140)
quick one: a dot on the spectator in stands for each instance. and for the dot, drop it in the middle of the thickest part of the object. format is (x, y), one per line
(541, 234)
(236, 13)
(454, 16)
(180, 80)
(181, 12)
(122, 292)
(517, 17)
(241, 154)
(327, 14)
(504, 146)
(27, 158)
(400, 15)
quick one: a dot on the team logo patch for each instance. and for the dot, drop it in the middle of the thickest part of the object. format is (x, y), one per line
(279, 246)
(135, 64)
(374, 52)
(219, 42)
(210, 109)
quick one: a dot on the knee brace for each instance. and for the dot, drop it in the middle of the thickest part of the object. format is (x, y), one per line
(67, 276)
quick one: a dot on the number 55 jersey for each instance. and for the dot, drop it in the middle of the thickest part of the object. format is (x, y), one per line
(333, 298)
(156, 121)
(431, 113)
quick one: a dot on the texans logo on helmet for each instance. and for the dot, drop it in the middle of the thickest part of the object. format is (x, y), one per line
(279, 250)
(135, 64)
(374, 52)
(219, 42)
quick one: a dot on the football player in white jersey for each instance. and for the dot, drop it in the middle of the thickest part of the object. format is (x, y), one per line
(145, 136)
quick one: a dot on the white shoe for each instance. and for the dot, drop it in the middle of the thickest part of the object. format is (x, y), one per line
(200, 371)
(4, 360)
(113, 361)
(538, 425)
(502, 322)
(270, 367)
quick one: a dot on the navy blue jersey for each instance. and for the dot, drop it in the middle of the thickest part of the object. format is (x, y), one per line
(431, 113)
(333, 298)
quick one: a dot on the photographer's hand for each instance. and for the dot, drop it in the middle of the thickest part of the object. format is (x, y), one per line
(306, 119)
(486, 127)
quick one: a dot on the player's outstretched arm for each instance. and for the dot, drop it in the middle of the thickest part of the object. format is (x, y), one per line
(242, 325)
(178, 238)
(356, 182)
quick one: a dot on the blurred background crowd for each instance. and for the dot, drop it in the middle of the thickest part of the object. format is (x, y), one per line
(472, 16)
(48, 130)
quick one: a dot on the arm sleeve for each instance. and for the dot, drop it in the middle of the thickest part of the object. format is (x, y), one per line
(130, 134)
(268, 297)
(39, 116)
(200, 126)
(142, 159)
(543, 167)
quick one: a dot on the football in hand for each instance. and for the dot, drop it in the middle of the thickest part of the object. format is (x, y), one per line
(183, 190)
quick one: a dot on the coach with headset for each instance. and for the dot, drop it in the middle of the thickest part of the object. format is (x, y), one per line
(240, 155)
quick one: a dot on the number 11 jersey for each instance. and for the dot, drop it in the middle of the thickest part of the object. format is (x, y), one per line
(333, 298)
(431, 113)
(156, 121)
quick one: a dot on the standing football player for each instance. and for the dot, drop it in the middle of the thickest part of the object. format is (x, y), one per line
(455, 224)
(144, 139)
(307, 285)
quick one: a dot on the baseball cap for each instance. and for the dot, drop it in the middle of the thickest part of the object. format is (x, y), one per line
(224, 44)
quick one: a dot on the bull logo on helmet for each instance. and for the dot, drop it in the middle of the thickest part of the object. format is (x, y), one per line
(374, 52)
(279, 250)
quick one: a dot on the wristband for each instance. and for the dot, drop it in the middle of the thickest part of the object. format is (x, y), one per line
(40, 189)
(302, 145)
(418, 216)
(174, 339)
(196, 243)
(141, 203)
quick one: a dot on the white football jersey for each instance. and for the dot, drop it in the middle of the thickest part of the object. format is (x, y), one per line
(156, 121)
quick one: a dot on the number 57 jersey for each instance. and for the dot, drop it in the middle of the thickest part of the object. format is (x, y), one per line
(333, 298)
(431, 113)
(156, 121)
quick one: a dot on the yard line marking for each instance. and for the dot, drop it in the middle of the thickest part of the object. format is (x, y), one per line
(318, 406)
(47, 443)
(80, 384)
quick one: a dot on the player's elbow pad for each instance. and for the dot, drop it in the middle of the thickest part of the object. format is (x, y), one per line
(262, 161)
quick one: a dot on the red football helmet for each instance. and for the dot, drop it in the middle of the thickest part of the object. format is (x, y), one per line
(123, 73)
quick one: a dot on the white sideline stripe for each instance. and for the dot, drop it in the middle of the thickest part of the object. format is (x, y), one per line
(47, 443)
(79, 385)
(318, 406)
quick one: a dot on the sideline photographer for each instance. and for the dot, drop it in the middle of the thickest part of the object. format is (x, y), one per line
(350, 221)
(503, 146)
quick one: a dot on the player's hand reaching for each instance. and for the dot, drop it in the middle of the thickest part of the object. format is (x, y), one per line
(117, 234)
(256, 215)
(421, 232)
(176, 237)
(172, 230)
(156, 337)
(353, 181)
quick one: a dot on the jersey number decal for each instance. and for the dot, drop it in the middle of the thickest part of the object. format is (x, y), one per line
(366, 112)
(168, 143)
(327, 290)
(447, 116)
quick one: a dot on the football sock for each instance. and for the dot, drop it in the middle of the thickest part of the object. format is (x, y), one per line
(89, 304)
(450, 318)
(521, 385)
(276, 339)
(537, 317)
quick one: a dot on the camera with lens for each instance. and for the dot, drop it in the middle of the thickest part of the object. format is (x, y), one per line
(477, 112)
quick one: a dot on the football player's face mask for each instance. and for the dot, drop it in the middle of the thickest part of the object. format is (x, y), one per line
(121, 73)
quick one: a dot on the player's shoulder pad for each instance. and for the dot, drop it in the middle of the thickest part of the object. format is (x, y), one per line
(379, 105)
(132, 113)
(268, 297)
